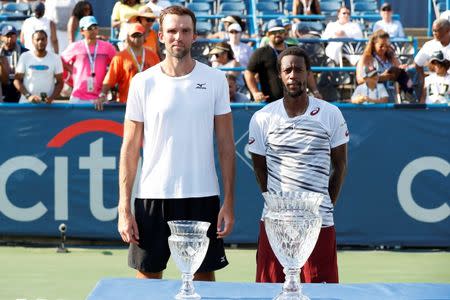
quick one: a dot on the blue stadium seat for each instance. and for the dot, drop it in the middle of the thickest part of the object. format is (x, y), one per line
(212, 4)
(287, 6)
(330, 8)
(232, 8)
(203, 27)
(12, 7)
(363, 8)
(228, 1)
(201, 8)
(268, 8)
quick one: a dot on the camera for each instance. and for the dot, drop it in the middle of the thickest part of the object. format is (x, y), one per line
(62, 228)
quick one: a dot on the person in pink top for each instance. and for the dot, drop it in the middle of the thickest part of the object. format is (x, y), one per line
(87, 60)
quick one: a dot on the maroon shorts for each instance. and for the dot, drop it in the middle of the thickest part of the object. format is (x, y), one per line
(320, 267)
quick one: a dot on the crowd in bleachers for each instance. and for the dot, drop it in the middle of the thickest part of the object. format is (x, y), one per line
(358, 53)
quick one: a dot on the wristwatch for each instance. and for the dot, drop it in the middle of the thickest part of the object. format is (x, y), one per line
(27, 95)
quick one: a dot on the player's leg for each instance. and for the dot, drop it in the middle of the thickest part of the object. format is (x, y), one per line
(205, 276)
(268, 268)
(322, 266)
(150, 256)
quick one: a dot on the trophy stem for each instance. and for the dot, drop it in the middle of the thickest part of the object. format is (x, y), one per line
(187, 288)
(292, 281)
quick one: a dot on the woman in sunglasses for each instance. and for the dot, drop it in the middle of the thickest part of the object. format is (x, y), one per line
(147, 18)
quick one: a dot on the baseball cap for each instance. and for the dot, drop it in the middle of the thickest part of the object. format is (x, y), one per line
(386, 6)
(275, 25)
(229, 19)
(438, 56)
(285, 22)
(369, 71)
(38, 6)
(87, 21)
(135, 28)
(217, 49)
(235, 26)
(8, 29)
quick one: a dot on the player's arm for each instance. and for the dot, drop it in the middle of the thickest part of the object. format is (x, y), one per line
(260, 169)
(129, 158)
(339, 169)
(223, 126)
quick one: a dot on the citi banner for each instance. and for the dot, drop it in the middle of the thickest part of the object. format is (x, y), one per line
(59, 164)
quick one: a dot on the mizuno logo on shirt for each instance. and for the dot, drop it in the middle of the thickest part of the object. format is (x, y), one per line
(201, 86)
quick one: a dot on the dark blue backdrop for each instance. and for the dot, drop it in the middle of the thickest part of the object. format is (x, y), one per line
(59, 164)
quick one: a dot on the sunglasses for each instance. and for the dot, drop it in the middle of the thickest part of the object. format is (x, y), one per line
(234, 32)
(137, 35)
(92, 27)
(277, 32)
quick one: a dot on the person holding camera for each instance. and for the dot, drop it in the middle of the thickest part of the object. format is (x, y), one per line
(380, 55)
(39, 73)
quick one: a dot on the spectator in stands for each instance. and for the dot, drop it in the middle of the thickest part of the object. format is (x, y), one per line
(59, 13)
(235, 96)
(436, 88)
(342, 28)
(4, 74)
(440, 41)
(11, 50)
(290, 40)
(81, 9)
(88, 61)
(158, 5)
(379, 54)
(227, 21)
(122, 10)
(146, 18)
(39, 73)
(127, 63)
(370, 91)
(393, 27)
(38, 22)
(242, 51)
(263, 67)
(305, 7)
(222, 56)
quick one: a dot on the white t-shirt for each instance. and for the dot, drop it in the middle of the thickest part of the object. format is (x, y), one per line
(394, 28)
(39, 72)
(242, 53)
(178, 116)
(158, 6)
(30, 26)
(424, 54)
(377, 93)
(437, 88)
(298, 149)
(351, 29)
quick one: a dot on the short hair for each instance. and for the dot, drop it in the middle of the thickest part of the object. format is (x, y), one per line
(442, 23)
(179, 11)
(296, 51)
(40, 31)
(343, 7)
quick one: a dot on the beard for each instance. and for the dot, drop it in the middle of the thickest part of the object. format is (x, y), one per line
(300, 91)
(178, 54)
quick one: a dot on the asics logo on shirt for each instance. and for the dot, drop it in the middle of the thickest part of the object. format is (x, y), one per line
(201, 86)
(315, 111)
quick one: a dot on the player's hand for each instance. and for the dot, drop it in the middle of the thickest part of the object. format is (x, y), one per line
(225, 221)
(127, 227)
(260, 97)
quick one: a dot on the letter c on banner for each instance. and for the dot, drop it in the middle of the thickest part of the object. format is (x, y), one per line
(404, 194)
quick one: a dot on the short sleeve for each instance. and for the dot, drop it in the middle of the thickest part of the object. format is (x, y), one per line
(111, 51)
(115, 15)
(401, 32)
(20, 68)
(253, 63)
(256, 135)
(134, 108)
(58, 65)
(382, 90)
(357, 92)
(422, 57)
(222, 101)
(68, 54)
(112, 76)
(339, 130)
(376, 26)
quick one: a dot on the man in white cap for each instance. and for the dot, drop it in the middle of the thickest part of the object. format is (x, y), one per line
(87, 60)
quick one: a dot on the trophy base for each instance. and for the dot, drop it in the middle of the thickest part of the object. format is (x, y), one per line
(194, 296)
(291, 296)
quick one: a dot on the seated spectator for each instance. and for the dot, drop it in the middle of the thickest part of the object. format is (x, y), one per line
(235, 96)
(370, 91)
(305, 7)
(290, 40)
(81, 9)
(146, 18)
(242, 51)
(379, 53)
(127, 63)
(342, 28)
(38, 22)
(436, 88)
(11, 50)
(120, 14)
(39, 73)
(4, 74)
(158, 5)
(393, 27)
(222, 56)
(440, 41)
(88, 61)
(227, 21)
